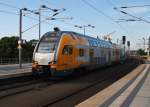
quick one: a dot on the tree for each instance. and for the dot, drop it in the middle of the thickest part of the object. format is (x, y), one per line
(9, 48)
(141, 52)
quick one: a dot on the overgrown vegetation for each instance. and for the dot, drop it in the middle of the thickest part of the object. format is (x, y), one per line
(9, 48)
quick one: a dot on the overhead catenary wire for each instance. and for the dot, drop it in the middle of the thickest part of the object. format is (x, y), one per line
(48, 18)
(70, 12)
(122, 28)
(78, 18)
(113, 5)
(25, 15)
(70, 24)
(128, 14)
(102, 13)
(63, 21)
(8, 5)
(11, 6)
(8, 12)
(135, 6)
(96, 9)
(14, 13)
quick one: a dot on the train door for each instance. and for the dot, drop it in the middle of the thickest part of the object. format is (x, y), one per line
(67, 55)
(91, 56)
(109, 55)
(106, 55)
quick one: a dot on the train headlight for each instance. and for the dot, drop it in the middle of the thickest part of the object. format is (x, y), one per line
(52, 62)
(49, 62)
(34, 62)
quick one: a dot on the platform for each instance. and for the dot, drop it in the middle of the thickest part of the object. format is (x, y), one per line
(133, 90)
(8, 71)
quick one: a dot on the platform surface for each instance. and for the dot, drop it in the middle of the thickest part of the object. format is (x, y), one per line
(133, 90)
(8, 71)
(142, 98)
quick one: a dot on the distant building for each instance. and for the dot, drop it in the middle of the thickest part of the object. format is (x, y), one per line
(133, 52)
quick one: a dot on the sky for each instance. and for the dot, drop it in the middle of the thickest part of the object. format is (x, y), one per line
(99, 13)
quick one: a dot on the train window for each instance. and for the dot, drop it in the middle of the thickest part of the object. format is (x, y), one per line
(67, 50)
(81, 52)
(46, 47)
(48, 43)
(102, 52)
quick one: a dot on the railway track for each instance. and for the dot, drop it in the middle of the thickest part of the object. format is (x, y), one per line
(17, 85)
(102, 83)
(70, 91)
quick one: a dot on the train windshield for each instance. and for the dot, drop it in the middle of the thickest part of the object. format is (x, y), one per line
(48, 43)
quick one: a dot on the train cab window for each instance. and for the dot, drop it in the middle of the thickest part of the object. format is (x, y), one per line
(81, 52)
(67, 50)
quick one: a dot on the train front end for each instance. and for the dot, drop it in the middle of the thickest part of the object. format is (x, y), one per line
(44, 56)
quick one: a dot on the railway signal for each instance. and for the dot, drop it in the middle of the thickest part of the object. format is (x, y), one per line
(123, 40)
(128, 44)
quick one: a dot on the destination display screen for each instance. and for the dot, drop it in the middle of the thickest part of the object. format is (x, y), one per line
(49, 37)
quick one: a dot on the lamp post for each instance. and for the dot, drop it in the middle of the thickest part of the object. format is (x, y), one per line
(84, 26)
(78, 26)
(20, 27)
(20, 36)
(89, 25)
(39, 23)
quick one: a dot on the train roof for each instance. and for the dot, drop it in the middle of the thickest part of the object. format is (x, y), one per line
(92, 41)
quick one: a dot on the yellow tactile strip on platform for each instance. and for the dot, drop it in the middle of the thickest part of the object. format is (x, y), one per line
(102, 96)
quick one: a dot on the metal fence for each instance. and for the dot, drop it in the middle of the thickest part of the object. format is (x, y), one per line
(14, 60)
